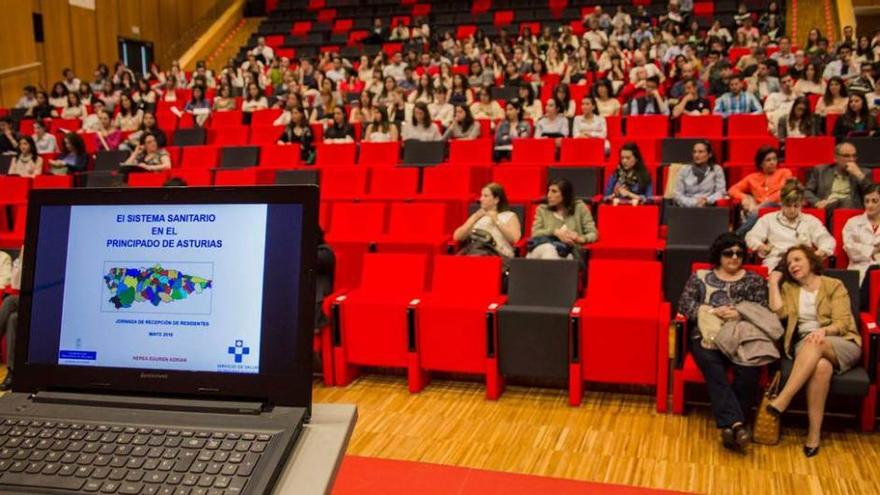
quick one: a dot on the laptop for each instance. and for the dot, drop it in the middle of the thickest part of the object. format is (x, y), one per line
(164, 340)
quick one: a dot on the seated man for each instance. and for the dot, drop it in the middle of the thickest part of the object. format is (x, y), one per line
(779, 103)
(839, 185)
(762, 84)
(737, 101)
(651, 102)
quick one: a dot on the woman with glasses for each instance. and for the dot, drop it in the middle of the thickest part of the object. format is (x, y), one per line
(861, 237)
(717, 291)
(775, 232)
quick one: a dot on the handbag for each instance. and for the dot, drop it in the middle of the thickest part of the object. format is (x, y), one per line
(766, 429)
(709, 324)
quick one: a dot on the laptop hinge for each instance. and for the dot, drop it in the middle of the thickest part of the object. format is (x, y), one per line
(155, 403)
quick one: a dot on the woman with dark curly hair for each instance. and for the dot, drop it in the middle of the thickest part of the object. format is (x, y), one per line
(717, 291)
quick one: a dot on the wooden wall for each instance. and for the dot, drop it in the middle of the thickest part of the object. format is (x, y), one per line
(80, 38)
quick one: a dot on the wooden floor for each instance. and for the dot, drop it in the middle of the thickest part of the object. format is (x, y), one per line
(612, 438)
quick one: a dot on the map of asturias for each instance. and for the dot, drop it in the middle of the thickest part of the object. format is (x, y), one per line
(155, 285)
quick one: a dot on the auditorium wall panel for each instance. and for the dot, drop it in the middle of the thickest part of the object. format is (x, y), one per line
(18, 60)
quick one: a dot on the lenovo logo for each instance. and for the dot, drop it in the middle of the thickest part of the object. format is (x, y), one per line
(155, 376)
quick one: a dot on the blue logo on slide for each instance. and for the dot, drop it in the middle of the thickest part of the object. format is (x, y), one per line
(239, 350)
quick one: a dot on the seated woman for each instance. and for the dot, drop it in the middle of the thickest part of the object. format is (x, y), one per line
(759, 189)
(381, 130)
(630, 182)
(253, 101)
(74, 109)
(590, 124)
(338, 130)
(552, 124)
(421, 128)
(835, 99)
(861, 237)
(800, 121)
(224, 101)
(512, 127)
(42, 109)
(531, 105)
(129, 117)
(485, 107)
(495, 218)
(702, 183)
(73, 156)
(857, 121)
(562, 224)
(148, 156)
(721, 288)
(44, 140)
(299, 131)
(107, 137)
(27, 163)
(463, 125)
(198, 106)
(818, 309)
(775, 232)
(149, 125)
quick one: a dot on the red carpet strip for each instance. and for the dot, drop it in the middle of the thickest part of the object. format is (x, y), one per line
(367, 475)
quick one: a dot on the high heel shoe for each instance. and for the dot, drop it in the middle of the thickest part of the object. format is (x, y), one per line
(811, 451)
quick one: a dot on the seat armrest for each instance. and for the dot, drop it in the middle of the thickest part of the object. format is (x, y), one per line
(492, 326)
(336, 318)
(679, 327)
(574, 331)
(870, 344)
(411, 311)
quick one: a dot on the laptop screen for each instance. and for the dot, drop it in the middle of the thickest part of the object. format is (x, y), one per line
(184, 287)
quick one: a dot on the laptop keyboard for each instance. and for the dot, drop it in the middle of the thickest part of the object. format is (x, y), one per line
(95, 458)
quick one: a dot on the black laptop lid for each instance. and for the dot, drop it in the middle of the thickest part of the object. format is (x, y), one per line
(195, 292)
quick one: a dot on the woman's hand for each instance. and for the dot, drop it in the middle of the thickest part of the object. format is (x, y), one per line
(775, 277)
(817, 336)
(727, 313)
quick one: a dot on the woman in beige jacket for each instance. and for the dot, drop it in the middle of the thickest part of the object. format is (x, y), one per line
(818, 309)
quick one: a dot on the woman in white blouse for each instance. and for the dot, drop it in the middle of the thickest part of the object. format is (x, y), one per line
(861, 234)
(607, 104)
(590, 124)
(775, 232)
(494, 217)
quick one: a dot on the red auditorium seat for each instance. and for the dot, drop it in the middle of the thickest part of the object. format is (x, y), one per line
(372, 319)
(265, 134)
(622, 339)
(193, 177)
(393, 183)
(707, 126)
(685, 369)
(230, 118)
(335, 154)
(582, 151)
(421, 9)
(26, 127)
(415, 228)
(279, 155)
(13, 200)
(326, 15)
(465, 31)
(649, 147)
(614, 124)
(503, 18)
(301, 28)
(71, 125)
(534, 27)
(454, 186)
(384, 154)
(522, 184)
(742, 150)
(342, 26)
(53, 181)
(647, 126)
(343, 183)
(830, 122)
(14, 237)
(203, 157)
(628, 232)
(809, 151)
(244, 177)
(839, 218)
(154, 179)
(392, 48)
(353, 227)
(450, 320)
(471, 151)
(228, 136)
(533, 151)
(747, 125)
(266, 117)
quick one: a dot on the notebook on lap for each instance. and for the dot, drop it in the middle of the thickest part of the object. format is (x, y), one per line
(164, 340)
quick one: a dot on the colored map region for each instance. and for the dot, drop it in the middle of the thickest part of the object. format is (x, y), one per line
(155, 285)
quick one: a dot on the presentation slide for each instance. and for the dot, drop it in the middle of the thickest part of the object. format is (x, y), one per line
(174, 287)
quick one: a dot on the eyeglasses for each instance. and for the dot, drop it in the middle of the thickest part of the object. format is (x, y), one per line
(732, 253)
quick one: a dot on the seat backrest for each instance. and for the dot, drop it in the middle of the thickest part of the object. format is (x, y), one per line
(647, 126)
(470, 151)
(695, 226)
(585, 180)
(701, 126)
(358, 219)
(5, 162)
(417, 218)
(868, 150)
(279, 155)
(109, 161)
(534, 150)
(239, 156)
(14, 189)
(681, 150)
(296, 177)
(743, 149)
(582, 151)
(235, 177)
(44, 181)
(335, 154)
(423, 152)
(448, 180)
(344, 181)
(228, 136)
(815, 150)
(147, 180)
(379, 154)
(608, 280)
(226, 118)
(850, 279)
(394, 181)
(839, 217)
(467, 276)
(542, 282)
(189, 137)
(198, 157)
(521, 183)
(634, 224)
(394, 273)
(747, 125)
(266, 117)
